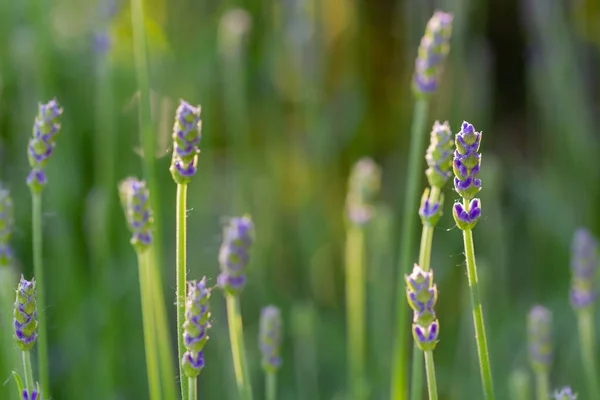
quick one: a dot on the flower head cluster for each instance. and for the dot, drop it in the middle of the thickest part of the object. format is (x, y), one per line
(270, 338)
(136, 204)
(466, 165)
(186, 137)
(539, 327)
(363, 186)
(234, 254)
(195, 327)
(439, 155)
(565, 393)
(25, 314)
(584, 265)
(434, 48)
(40, 147)
(6, 226)
(421, 293)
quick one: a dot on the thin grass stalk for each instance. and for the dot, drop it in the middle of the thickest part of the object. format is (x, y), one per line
(585, 319)
(271, 385)
(27, 370)
(238, 350)
(38, 269)
(431, 382)
(193, 388)
(152, 369)
(417, 148)
(181, 279)
(542, 386)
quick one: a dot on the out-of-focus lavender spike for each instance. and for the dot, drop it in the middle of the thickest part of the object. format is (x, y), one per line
(363, 187)
(565, 393)
(186, 138)
(7, 223)
(539, 327)
(439, 155)
(25, 315)
(234, 254)
(195, 327)
(584, 267)
(135, 201)
(421, 294)
(270, 337)
(433, 50)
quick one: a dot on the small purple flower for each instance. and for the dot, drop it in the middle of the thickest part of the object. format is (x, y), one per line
(421, 294)
(195, 327)
(430, 212)
(565, 393)
(439, 155)
(467, 219)
(186, 138)
(7, 223)
(363, 187)
(234, 254)
(25, 315)
(270, 338)
(41, 145)
(136, 205)
(584, 267)
(539, 329)
(34, 395)
(433, 50)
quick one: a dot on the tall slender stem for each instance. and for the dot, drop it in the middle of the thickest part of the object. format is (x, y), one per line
(271, 385)
(416, 386)
(38, 269)
(355, 309)
(181, 280)
(28, 371)
(149, 332)
(417, 148)
(238, 350)
(193, 388)
(542, 386)
(431, 383)
(480, 338)
(588, 350)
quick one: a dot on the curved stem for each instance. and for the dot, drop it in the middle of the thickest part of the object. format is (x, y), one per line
(417, 149)
(271, 384)
(431, 382)
(238, 351)
(586, 337)
(193, 388)
(38, 270)
(355, 309)
(181, 280)
(28, 371)
(416, 385)
(542, 386)
(480, 338)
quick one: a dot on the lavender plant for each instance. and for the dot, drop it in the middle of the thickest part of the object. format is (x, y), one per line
(421, 294)
(439, 160)
(39, 150)
(186, 138)
(270, 344)
(238, 236)
(195, 333)
(466, 165)
(433, 49)
(584, 266)
(565, 393)
(539, 330)
(25, 325)
(363, 186)
(6, 227)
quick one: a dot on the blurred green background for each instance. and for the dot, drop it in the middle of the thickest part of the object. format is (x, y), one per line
(293, 92)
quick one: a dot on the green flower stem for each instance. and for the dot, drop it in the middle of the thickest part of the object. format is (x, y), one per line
(38, 270)
(271, 385)
(355, 309)
(193, 388)
(431, 382)
(480, 338)
(238, 351)
(417, 149)
(149, 332)
(181, 280)
(28, 371)
(542, 386)
(416, 386)
(586, 337)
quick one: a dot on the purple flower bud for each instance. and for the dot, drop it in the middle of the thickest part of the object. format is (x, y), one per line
(270, 338)
(439, 155)
(467, 162)
(135, 200)
(195, 327)
(25, 315)
(34, 395)
(426, 337)
(565, 393)
(467, 219)
(7, 223)
(363, 187)
(584, 267)
(234, 254)
(539, 327)
(41, 145)
(434, 48)
(186, 137)
(421, 294)
(429, 212)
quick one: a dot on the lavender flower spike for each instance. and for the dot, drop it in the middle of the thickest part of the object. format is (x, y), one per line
(363, 187)
(25, 315)
(584, 265)
(439, 155)
(195, 327)
(7, 223)
(421, 294)
(565, 393)
(41, 146)
(186, 137)
(433, 49)
(539, 327)
(270, 338)
(234, 255)
(135, 201)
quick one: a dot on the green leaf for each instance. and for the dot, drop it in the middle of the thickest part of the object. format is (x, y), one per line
(19, 381)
